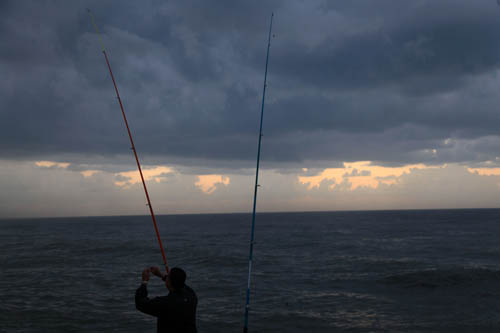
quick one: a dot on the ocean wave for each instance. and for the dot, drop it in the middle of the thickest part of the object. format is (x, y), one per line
(439, 278)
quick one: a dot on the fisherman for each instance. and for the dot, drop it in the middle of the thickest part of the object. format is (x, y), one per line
(176, 312)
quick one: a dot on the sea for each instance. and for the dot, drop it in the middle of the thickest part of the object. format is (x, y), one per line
(359, 271)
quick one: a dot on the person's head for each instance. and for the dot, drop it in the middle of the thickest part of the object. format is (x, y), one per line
(176, 279)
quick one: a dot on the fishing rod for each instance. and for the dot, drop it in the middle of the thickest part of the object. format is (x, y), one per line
(245, 327)
(131, 140)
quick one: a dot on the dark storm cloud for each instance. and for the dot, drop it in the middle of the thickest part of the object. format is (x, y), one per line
(390, 81)
(440, 40)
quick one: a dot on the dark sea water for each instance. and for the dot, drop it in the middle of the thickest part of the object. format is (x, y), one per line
(385, 271)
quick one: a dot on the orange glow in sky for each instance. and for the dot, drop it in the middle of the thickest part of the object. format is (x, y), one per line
(359, 174)
(49, 164)
(89, 173)
(207, 183)
(485, 171)
(155, 173)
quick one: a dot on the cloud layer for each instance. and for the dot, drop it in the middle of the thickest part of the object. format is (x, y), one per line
(385, 81)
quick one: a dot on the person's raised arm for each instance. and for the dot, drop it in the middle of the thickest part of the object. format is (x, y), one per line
(142, 302)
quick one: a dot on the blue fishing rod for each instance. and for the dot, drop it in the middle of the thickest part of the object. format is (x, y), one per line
(245, 327)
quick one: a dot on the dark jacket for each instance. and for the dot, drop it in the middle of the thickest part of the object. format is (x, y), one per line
(176, 312)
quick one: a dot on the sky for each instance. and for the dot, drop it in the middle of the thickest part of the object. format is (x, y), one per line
(370, 104)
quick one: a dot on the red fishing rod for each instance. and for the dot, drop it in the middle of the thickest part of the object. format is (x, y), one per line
(131, 141)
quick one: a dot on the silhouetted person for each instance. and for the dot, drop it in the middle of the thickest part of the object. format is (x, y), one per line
(176, 312)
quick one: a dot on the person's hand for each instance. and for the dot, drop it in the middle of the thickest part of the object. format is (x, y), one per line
(145, 274)
(156, 271)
